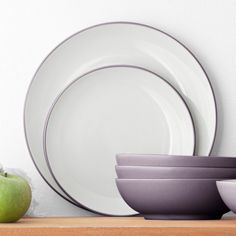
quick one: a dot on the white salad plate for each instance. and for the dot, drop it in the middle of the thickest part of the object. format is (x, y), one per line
(118, 43)
(108, 110)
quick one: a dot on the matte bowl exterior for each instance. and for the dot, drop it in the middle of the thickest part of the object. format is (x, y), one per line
(173, 198)
(155, 172)
(129, 159)
(227, 190)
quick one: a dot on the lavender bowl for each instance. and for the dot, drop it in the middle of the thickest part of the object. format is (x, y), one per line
(227, 190)
(189, 199)
(156, 172)
(128, 159)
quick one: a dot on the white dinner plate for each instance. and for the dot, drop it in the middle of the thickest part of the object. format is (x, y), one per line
(107, 111)
(118, 43)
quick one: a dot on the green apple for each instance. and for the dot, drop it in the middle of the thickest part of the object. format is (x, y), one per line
(15, 197)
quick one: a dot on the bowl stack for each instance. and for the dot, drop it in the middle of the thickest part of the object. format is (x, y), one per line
(173, 187)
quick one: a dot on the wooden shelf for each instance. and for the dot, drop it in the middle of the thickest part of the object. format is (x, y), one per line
(117, 226)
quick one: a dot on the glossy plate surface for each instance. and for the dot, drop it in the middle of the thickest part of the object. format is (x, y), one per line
(106, 111)
(118, 43)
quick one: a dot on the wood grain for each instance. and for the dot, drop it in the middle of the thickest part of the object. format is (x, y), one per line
(117, 226)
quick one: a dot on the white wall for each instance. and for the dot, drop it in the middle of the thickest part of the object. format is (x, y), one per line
(30, 29)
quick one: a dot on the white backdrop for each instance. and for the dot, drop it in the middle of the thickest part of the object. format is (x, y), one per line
(30, 29)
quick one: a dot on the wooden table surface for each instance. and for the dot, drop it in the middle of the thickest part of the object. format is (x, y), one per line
(117, 226)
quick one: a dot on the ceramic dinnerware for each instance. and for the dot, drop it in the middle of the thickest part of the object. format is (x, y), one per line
(131, 159)
(103, 112)
(156, 172)
(181, 199)
(117, 43)
(227, 190)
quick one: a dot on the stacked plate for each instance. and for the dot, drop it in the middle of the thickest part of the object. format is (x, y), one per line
(174, 187)
(112, 88)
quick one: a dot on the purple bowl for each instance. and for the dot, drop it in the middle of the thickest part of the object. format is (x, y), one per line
(227, 190)
(174, 161)
(179, 199)
(156, 172)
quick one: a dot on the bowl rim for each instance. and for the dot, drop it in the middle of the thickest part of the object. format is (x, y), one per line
(118, 155)
(170, 180)
(117, 167)
(226, 181)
